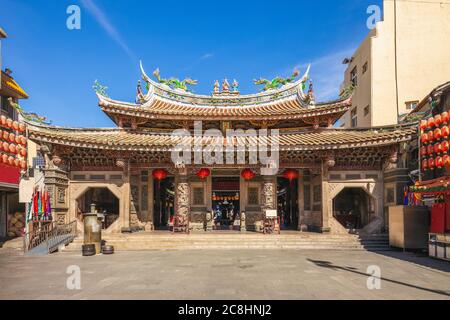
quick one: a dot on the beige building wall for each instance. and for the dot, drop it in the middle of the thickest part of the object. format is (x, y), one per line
(415, 37)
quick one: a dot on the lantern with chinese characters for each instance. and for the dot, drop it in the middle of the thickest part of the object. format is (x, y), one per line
(439, 162)
(291, 174)
(446, 160)
(431, 163)
(423, 151)
(425, 164)
(423, 124)
(445, 117)
(445, 131)
(430, 137)
(437, 120)
(445, 146)
(437, 134)
(247, 174)
(430, 149)
(424, 138)
(203, 173)
(430, 123)
(438, 148)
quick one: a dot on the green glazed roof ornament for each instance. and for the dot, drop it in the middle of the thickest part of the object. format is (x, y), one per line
(174, 83)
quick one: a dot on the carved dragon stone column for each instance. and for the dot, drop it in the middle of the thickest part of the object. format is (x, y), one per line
(183, 195)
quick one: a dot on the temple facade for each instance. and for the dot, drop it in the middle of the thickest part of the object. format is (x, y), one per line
(213, 159)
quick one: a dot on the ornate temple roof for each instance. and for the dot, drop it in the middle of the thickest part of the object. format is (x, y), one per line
(132, 140)
(162, 102)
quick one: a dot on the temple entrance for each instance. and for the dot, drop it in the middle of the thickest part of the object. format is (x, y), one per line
(225, 202)
(287, 196)
(352, 208)
(164, 202)
(106, 205)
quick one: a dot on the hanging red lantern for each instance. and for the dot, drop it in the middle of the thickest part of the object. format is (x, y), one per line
(5, 135)
(22, 127)
(445, 131)
(23, 164)
(424, 138)
(423, 124)
(445, 117)
(291, 174)
(3, 120)
(23, 152)
(445, 146)
(437, 134)
(5, 158)
(15, 125)
(437, 120)
(12, 148)
(12, 137)
(431, 163)
(11, 160)
(430, 123)
(23, 140)
(446, 160)
(430, 136)
(9, 123)
(439, 162)
(203, 173)
(425, 164)
(430, 149)
(423, 151)
(247, 174)
(438, 148)
(159, 174)
(6, 146)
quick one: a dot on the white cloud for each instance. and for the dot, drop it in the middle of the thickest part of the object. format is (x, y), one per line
(102, 19)
(207, 56)
(327, 73)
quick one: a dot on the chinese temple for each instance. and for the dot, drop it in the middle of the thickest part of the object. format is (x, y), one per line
(325, 179)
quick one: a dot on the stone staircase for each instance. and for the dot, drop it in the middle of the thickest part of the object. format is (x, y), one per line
(236, 241)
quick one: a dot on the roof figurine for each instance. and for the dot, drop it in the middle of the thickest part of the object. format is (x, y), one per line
(99, 89)
(216, 87)
(235, 86)
(175, 83)
(225, 86)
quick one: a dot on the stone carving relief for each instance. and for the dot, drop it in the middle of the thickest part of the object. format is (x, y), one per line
(268, 195)
(183, 199)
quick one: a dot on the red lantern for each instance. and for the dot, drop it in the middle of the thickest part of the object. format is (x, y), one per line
(23, 152)
(159, 174)
(23, 164)
(290, 174)
(424, 138)
(437, 120)
(15, 125)
(445, 117)
(203, 173)
(11, 160)
(23, 140)
(247, 174)
(423, 151)
(9, 122)
(425, 164)
(5, 135)
(438, 148)
(12, 148)
(22, 127)
(430, 149)
(12, 137)
(431, 163)
(446, 160)
(5, 158)
(445, 131)
(431, 123)
(445, 146)
(437, 134)
(3, 120)
(6, 146)
(430, 136)
(423, 124)
(439, 162)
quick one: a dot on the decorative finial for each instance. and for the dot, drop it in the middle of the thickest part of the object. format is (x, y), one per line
(216, 86)
(225, 85)
(311, 97)
(235, 86)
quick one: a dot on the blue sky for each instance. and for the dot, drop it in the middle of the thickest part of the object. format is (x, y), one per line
(205, 40)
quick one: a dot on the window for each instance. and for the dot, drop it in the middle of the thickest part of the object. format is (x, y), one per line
(354, 76)
(365, 66)
(411, 105)
(354, 117)
(6, 109)
(366, 110)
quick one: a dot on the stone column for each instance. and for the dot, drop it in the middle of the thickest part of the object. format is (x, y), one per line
(301, 204)
(183, 205)
(268, 192)
(149, 225)
(125, 202)
(326, 202)
(56, 181)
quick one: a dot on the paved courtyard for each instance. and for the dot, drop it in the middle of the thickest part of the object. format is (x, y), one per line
(242, 274)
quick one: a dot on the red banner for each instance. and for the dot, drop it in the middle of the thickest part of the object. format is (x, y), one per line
(9, 174)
